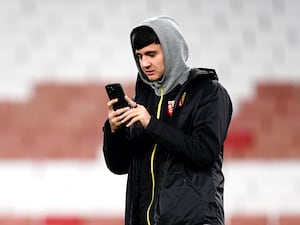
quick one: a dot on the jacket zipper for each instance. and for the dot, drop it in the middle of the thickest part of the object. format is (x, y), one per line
(152, 158)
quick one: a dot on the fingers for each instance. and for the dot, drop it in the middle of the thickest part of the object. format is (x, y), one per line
(132, 121)
(110, 103)
(115, 116)
(137, 114)
(129, 116)
(132, 103)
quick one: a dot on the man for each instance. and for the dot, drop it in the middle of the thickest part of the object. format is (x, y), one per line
(170, 139)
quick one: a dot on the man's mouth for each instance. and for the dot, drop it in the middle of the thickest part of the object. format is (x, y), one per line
(150, 72)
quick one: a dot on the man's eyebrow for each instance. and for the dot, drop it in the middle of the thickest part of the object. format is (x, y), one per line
(146, 53)
(150, 52)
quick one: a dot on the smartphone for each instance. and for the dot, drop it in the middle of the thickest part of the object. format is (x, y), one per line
(113, 91)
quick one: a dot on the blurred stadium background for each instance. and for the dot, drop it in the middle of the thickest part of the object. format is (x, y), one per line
(57, 55)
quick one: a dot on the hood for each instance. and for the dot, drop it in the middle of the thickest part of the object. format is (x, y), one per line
(175, 52)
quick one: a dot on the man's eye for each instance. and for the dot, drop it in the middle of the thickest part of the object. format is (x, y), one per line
(152, 54)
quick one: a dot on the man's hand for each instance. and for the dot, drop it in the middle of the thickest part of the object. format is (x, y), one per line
(114, 117)
(137, 113)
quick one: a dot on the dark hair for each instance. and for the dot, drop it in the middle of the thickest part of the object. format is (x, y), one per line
(143, 36)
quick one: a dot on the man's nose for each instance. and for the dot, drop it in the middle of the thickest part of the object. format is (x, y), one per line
(145, 62)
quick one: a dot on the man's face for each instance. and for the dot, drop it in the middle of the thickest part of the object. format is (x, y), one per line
(151, 59)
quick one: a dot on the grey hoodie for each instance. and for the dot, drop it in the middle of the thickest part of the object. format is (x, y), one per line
(175, 52)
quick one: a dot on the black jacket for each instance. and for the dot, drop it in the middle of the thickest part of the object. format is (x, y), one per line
(186, 176)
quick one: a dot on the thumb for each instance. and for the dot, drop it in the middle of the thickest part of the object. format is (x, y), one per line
(130, 101)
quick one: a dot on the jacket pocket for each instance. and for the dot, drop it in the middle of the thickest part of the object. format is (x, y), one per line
(181, 203)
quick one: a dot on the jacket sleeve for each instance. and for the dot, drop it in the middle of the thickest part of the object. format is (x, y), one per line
(117, 156)
(203, 143)
(119, 148)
